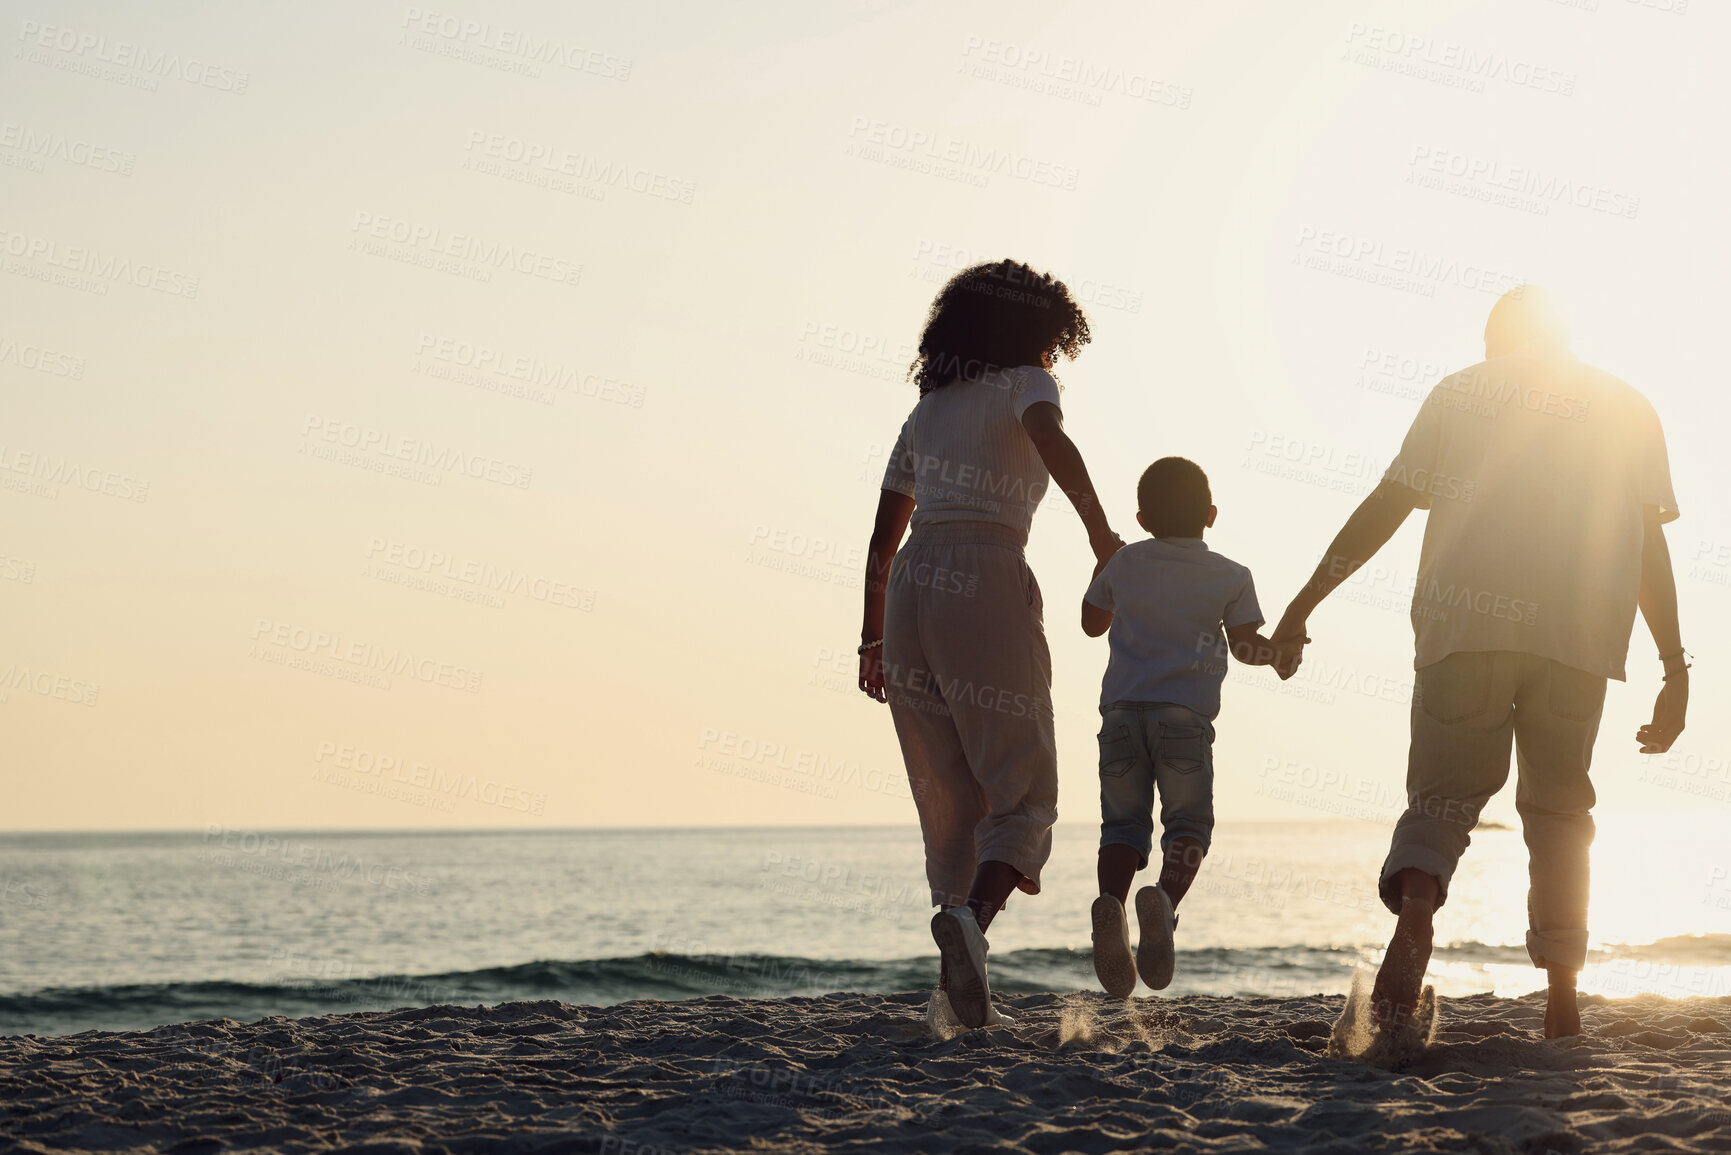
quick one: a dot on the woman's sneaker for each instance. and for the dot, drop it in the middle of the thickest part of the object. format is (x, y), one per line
(963, 948)
(1113, 965)
(1156, 957)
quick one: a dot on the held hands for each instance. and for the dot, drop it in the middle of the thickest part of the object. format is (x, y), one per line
(1285, 656)
(1288, 642)
(1250, 647)
(1104, 548)
(1668, 711)
(1288, 656)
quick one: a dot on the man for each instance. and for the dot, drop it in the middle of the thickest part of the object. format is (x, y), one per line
(1546, 482)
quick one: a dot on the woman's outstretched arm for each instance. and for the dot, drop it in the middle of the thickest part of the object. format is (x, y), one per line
(1045, 426)
(894, 509)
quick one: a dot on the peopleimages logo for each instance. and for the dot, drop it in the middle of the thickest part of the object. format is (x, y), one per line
(1491, 176)
(480, 576)
(17, 569)
(902, 146)
(374, 767)
(513, 42)
(42, 146)
(1445, 61)
(1068, 77)
(1487, 603)
(279, 857)
(363, 656)
(580, 166)
(1398, 374)
(157, 65)
(41, 360)
(748, 751)
(372, 231)
(48, 685)
(530, 371)
(104, 267)
(1394, 266)
(47, 472)
(418, 451)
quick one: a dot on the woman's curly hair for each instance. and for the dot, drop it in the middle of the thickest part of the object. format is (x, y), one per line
(996, 316)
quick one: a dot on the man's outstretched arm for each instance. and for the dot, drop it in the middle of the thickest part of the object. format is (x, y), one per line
(1365, 532)
(1658, 601)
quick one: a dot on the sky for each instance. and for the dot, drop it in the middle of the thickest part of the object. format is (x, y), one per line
(473, 416)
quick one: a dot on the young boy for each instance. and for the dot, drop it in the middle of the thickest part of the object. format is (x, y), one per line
(1166, 601)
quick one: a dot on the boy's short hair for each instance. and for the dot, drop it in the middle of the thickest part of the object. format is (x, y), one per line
(1173, 498)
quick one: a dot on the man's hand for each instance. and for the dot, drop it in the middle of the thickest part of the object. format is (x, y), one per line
(1668, 711)
(1658, 602)
(871, 674)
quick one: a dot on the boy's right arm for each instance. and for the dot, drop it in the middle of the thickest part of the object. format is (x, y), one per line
(1658, 601)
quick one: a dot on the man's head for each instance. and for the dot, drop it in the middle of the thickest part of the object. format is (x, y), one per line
(1172, 499)
(1523, 316)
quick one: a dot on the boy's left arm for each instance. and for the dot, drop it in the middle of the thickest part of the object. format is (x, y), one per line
(1095, 620)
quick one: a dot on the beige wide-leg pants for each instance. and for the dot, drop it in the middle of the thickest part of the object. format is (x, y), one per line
(970, 688)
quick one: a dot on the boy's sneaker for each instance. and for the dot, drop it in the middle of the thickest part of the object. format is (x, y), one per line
(1156, 957)
(1112, 962)
(963, 948)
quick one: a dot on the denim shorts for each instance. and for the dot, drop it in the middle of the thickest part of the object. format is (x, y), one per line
(1145, 744)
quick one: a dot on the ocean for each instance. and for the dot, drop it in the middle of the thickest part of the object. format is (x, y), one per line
(133, 931)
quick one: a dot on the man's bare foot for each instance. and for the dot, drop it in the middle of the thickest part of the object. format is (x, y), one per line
(1401, 976)
(1562, 1012)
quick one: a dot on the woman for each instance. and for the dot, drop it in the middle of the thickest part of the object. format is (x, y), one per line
(953, 638)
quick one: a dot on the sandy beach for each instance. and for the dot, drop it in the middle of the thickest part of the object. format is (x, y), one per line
(1076, 1072)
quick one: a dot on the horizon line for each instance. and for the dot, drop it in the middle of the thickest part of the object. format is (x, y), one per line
(911, 826)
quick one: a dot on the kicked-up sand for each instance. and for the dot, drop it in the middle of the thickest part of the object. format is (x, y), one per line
(1073, 1072)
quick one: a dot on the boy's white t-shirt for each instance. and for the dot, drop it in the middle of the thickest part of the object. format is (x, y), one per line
(1171, 600)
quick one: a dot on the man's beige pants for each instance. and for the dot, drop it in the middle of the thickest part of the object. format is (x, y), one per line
(970, 689)
(1467, 710)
